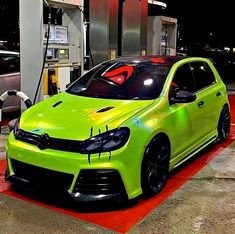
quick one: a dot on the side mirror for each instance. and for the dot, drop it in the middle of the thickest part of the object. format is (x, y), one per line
(183, 97)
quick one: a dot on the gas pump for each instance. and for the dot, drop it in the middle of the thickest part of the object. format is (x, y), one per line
(162, 34)
(64, 50)
(61, 56)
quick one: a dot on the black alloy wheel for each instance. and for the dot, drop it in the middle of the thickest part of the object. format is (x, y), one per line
(224, 124)
(155, 166)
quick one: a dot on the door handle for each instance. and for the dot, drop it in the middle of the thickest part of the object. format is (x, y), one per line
(218, 94)
(200, 104)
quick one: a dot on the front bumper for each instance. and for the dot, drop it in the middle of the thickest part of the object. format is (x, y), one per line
(72, 171)
(83, 193)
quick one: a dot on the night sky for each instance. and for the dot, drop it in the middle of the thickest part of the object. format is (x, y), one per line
(196, 19)
(9, 21)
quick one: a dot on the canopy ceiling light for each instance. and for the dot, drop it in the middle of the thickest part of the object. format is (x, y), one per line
(159, 3)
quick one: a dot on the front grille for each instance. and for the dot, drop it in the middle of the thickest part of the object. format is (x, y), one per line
(44, 141)
(41, 178)
(96, 182)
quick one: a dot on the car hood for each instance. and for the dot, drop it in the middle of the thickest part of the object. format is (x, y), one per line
(69, 116)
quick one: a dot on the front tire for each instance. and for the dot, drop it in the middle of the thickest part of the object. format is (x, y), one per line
(155, 166)
(224, 124)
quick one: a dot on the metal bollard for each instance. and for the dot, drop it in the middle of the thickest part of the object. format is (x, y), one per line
(8, 93)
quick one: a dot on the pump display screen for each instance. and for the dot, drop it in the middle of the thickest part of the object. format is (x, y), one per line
(64, 54)
(50, 52)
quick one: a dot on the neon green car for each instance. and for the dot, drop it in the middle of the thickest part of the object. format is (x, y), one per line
(117, 131)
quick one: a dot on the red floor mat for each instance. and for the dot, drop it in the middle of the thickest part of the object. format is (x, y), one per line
(123, 220)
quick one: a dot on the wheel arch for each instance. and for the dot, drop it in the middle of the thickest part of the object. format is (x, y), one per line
(159, 134)
(163, 136)
(223, 130)
(225, 105)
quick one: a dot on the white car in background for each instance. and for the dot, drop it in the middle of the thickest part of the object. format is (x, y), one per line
(10, 78)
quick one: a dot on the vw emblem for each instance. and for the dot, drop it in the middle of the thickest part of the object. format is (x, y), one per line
(42, 141)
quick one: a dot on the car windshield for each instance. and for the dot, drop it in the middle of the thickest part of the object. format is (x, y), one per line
(119, 80)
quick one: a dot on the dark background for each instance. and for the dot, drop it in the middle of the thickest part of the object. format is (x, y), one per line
(204, 27)
(9, 23)
(196, 20)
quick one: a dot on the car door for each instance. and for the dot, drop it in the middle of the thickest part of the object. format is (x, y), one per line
(186, 118)
(207, 98)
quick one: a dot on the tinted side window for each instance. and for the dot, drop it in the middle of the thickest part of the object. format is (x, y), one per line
(3, 68)
(9, 63)
(201, 75)
(183, 78)
(210, 73)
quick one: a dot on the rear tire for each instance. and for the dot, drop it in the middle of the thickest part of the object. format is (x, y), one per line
(224, 124)
(155, 166)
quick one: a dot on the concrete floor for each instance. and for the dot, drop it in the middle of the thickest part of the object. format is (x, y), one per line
(204, 204)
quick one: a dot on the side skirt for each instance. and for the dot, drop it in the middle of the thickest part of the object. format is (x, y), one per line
(212, 140)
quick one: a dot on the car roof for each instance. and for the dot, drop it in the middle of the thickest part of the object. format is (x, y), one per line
(159, 59)
(9, 52)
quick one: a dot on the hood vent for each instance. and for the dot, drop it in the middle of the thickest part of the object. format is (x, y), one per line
(105, 109)
(57, 104)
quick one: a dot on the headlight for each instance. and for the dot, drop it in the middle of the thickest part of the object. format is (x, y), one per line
(104, 142)
(107, 141)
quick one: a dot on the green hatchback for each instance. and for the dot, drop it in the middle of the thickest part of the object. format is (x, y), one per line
(118, 130)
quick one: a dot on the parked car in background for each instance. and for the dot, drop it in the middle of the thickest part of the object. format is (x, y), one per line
(118, 130)
(10, 78)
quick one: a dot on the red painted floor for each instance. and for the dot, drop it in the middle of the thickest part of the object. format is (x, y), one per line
(232, 108)
(124, 219)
